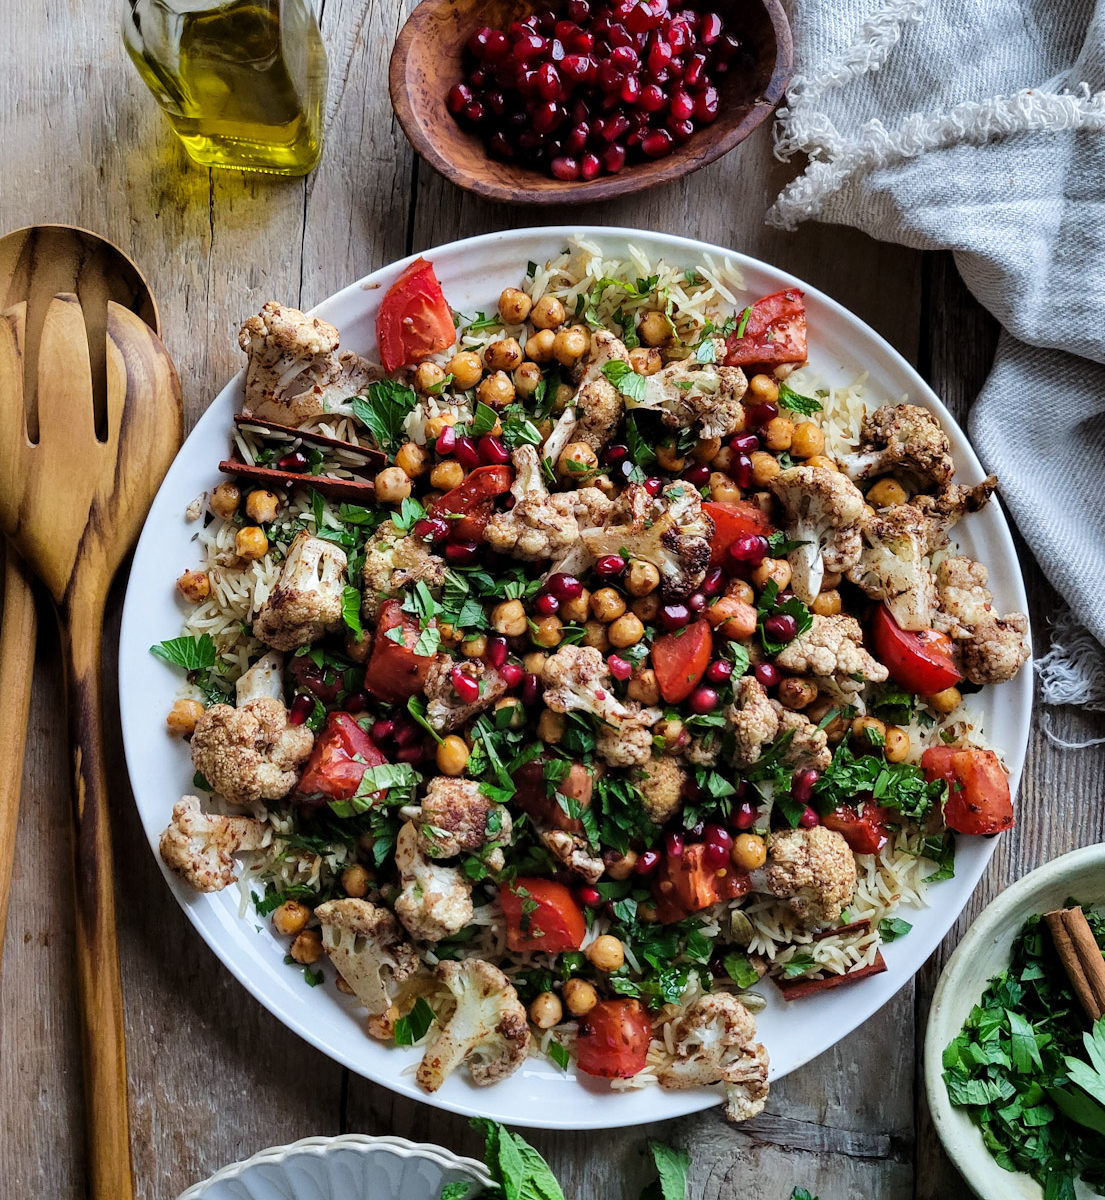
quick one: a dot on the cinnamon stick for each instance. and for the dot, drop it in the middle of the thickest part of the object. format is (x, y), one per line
(1081, 957)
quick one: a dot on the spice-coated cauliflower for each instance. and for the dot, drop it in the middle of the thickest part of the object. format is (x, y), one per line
(486, 1028)
(807, 746)
(757, 722)
(894, 568)
(693, 394)
(823, 511)
(264, 678)
(814, 869)
(832, 651)
(597, 400)
(294, 371)
(201, 846)
(394, 562)
(456, 817)
(906, 440)
(445, 710)
(714, 1042)
(573, 852)
(540, 525)
(950, 505)
(250, 753)
(367, 947)
(435, 901)
(989, 648)
(660, 781)
(306, 602)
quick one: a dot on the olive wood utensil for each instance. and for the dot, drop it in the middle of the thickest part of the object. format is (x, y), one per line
(81, 467)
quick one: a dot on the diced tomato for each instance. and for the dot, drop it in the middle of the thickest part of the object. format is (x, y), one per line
(978, 788)
(323, 682)
(680, 660)
(919, 662)
(394, 672)
(613, 1039)
(342, 754)
(542, 916)
(775, 332)
(866, 831)
(470, 527)
(414, 320)
(686, 884)
(536, 795)
(733, 519)
(483, 484)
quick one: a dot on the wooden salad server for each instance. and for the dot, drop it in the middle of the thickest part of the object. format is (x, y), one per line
(80, 465)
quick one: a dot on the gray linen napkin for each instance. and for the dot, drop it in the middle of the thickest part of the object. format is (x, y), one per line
(979, 126)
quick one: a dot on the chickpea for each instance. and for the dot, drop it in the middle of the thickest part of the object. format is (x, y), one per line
(515, 712)
(594, 634)
(570, 345)
(474, 646)
(655, 329)
(551, 726)
(527, 379)
(580, 997)
(673, 734)
(819, 460)
(224, 500)
(644, 687)
(290, 918)
(449, 635)
(539, 347)
(563, 396)
(356, 648)
(393, 485)
(452, 755)
(722, 489)
(706, 450)
(251, 543)
(412, 459)
(496, 390)
(764, 389)
(447, 475)
(642, 578)
(764, 467)
(808, 440)
(355, 881)
(830, 580)
(428, 375)
(545, 1010)
(669, 458)
(307, 947)
(436, 426)
(547, 631)
(897, 744)
(342, 986)
(796, 693)
(194, 586)
(772, 568)
(647, 607)
(578, 463)
(465, 368)
(607, 604)
(547, 313)
(648, 913)
(509, 618)
(262, 506)
(778, 434)
(621, 866)
(725, 459)
(826, 604)
(503, 355)
(887, 492)
(626, 630)
(645, 360)
(869, 731)
(183, 716)
(514, 306)
(946, 701)
(749, 851)
(742, 589)
(606, 953)
(838, 727)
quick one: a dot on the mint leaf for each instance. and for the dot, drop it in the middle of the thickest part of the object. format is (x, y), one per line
(672, 1168)
(483, 421)
(706, 351)
(351, 610)
(190, 653)
(625, 379)
(740, 970)
(806, 406)
(413, 1027)
(892, 928)
(383, 410)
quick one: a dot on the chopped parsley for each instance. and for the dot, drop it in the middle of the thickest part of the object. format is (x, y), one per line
(900, 786)
(412, 1028)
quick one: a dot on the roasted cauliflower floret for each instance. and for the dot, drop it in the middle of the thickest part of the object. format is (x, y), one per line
(200, 847)
(661, 781)
(394, 562)
(906, 440)
(690, 394)
(455, 817)
(486, 1027)
(807, 745)
(540, 525)
(832, 651)
(598, 401)
(573, 851)
(305, 604)
(950, 505)
(714, 1042)
(250, 753)
(753, 720)
(367, 947)
(989, 648)
(670, 531)
(435, 901)
(445, 710)
(823, 511)
(814, 869)
(264, 678)
(294, 371)
(629, 743)
(893, 566)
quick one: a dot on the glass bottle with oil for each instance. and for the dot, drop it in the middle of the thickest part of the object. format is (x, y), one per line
(243, 82)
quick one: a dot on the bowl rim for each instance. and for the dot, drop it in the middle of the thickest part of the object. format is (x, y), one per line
(320, 1145)
(957, 1132)
(604, 187)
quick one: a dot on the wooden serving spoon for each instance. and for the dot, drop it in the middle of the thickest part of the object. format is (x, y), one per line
(80, 469)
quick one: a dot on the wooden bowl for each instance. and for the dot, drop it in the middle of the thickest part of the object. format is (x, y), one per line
(426, 62)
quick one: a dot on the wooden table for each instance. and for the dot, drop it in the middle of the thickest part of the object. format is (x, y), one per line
(213, 1077)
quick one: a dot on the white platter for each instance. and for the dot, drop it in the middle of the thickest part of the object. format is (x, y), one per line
(472, 274)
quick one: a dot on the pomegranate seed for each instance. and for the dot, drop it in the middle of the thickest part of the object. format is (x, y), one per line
(478, 77)
(680, 130)
(715, 856)
(674, 616)
(744, 443)
(719, 671)
(564, 587)
(459, 96)
(703, 700)
(496, 103)
(679, 36)
(530, 688)
(682, 105)
(382, 731)
(610, 566)
(619, 667)
(742, 471)
(496, 651)
(624, 58)
(714, 581)
(411, 754)
(590, 165)
(302, 707)
(579, 11)
(647, 862)
(477, 43)
(582, 42)
(801, 784)
(529, 47)
(781, 628)
(576, 141)
(406, 732)
(296, 462)
(548, 82)
(653, 486)
(614, 454)
(652, 98)
(658, 143)
(578, 68)
(462, 553)
(745, 816)
(631, 90)
(556, 50)
(660, 55)
(431, 529)
(760, 414)
(719, 835)
(673, 845)
(693, 74)
(750, 549)
(618, 35)
(613, 158)
(696, 602)
(548, 116)
(446, 441)
(709, 28)
(492, 451)
(467, 688)
(698, 475)
(511, 674)
(728, 47)
(547, 604)
(646, 15)
(614, 127)
(565, 167)
(706, 105)
(500, 146)
(589, 896)
(563, 30)
(474, 112)
(809, 818)
(767, 674)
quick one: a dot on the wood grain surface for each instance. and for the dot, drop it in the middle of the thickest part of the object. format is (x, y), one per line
(212, 1076)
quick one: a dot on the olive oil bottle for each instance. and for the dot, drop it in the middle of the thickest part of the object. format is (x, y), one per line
(243, 82)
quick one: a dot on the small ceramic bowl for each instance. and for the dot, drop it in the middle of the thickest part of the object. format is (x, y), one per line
(350, 1167)
(426, 62)
(982, 954)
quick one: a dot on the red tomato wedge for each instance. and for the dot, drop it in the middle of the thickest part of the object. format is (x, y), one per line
(414, 320)
(978, 788)
(541, 915)
(680, 660)
(342, 754)
(775, 332)
(483, 484)
(686, 884)
(865, 831)
(919, 662)
(613, 1039)
(394, 672)
(733, 519)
